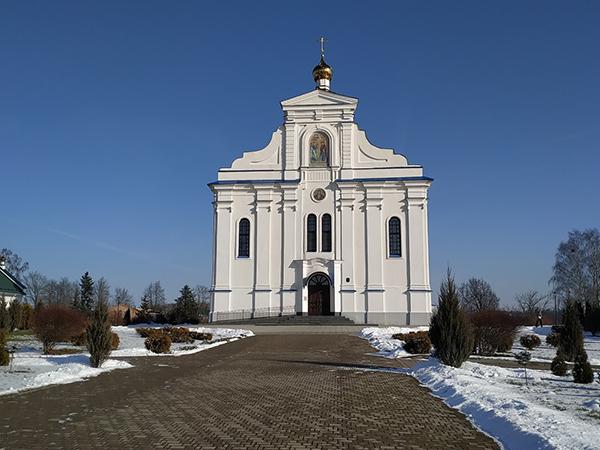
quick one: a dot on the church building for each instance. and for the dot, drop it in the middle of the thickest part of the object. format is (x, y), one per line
(321, 222)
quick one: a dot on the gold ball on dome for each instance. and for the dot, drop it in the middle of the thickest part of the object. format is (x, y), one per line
(322, 71)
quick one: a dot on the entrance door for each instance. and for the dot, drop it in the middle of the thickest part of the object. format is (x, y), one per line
(319, 288)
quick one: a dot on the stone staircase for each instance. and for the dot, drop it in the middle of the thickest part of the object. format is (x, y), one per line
(292, 320)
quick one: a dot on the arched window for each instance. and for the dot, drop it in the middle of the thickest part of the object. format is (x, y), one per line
(244, 239)
(395, 247)
(319, 150)
(326, 233)
(311, 233)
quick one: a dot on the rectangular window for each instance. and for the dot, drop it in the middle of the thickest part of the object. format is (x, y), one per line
(244, 239)
(326, 233)
(311, 233)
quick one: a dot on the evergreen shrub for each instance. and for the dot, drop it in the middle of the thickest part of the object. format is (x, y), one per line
(99, 336)
(571, 337)
(450, 331)
(582, 370)
(559, 365)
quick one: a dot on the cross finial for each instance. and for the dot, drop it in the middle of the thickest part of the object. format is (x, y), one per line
(322, 40)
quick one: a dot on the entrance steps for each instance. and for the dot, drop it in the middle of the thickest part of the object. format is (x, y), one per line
(292, 320)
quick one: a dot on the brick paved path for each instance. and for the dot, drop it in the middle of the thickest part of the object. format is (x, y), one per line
(265, 392)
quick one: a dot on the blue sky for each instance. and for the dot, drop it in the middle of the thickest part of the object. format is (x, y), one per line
(114, 115)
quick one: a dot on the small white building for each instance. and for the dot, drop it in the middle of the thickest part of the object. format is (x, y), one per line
(11, 288)
(321, 222)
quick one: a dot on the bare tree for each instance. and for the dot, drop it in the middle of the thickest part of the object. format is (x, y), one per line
(532, 302)
(101, 291)
(37, 286)
(60, 292)
(14, 263)
(477, 295)
(202, 296)
(122, 297)
(577, 268)
(155, 296)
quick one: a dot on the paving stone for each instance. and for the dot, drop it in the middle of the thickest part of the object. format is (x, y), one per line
(300, 391)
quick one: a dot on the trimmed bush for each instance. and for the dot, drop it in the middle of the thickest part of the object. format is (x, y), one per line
(582, 371)
(114, 341)
(196, 335)
(404, 336)
(146, 332)
(559, 365)
(417, 344)
(530, 341)
(52, 324)
(450, 330)
(179, 335)
(495, 330)
(158, 343)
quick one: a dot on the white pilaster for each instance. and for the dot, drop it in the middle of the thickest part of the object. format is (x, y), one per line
(262, 233)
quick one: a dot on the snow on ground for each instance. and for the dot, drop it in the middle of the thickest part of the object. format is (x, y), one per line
(546, 352)
(551, 412)
(31, 369)
(132, 344)
(381, 339)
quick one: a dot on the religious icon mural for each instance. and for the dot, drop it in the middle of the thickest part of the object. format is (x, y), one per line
(319, 150)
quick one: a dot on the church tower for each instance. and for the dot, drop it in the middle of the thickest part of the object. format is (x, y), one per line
(321, 221)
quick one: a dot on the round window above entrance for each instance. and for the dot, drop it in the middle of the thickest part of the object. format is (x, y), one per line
(318, 194)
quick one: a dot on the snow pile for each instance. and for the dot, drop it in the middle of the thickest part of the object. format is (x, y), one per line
(552, 412)
(132, 344)
(381, 339)
(31, 369)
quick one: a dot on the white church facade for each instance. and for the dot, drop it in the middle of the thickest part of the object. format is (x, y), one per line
(321, 222)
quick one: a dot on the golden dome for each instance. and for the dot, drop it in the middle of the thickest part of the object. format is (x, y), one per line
(322, 71)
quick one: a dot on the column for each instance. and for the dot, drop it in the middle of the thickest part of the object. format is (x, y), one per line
(222, 254)
(375, 253)
(346, 252)
(262, 250)
(419, 288)
(288, 250)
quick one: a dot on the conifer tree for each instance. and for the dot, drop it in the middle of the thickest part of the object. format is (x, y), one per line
(186, 308)
(582, 370)
(144, 304)
(559, 365)
(450, 331)
(86, 293)
(98, 335)
(571, 337)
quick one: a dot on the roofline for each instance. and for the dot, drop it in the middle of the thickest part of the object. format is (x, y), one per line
(20, 286)
(340, 180)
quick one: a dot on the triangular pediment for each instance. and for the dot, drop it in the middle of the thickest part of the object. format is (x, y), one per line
(320, 97)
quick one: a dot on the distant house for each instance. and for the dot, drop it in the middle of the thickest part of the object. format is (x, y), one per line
(10, 287)
(122, 314)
